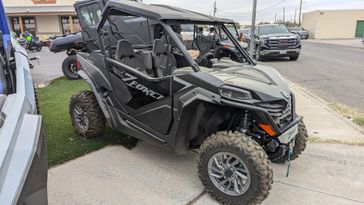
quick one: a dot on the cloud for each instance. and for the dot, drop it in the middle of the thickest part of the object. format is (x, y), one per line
(240, 10)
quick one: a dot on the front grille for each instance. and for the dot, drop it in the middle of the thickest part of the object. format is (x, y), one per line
(285, 43)
(281, 111)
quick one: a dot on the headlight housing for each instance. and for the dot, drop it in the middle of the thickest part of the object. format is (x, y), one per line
(264, 41)
(235, 93)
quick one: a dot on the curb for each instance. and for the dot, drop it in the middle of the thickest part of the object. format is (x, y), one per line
(43, 85)
(324, 104)
(360, 46)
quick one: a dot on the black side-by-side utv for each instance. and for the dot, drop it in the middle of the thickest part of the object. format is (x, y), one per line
(146, 82)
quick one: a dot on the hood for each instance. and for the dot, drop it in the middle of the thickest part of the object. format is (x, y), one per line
(266, 82)
(278, 35)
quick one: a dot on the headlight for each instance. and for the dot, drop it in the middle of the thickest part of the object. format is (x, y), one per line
(235, 93)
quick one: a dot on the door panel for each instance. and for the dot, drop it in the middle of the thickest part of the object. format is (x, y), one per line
(359, 29)
(89, 15)
(147, 100)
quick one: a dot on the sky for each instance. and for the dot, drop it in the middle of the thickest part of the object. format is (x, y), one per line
(241, 10)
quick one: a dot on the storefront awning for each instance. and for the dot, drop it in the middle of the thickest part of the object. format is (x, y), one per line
(39, 9)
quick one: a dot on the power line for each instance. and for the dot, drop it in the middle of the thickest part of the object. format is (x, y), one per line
(276, 4)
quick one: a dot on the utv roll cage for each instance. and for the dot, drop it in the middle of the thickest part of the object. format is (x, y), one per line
(162, 15)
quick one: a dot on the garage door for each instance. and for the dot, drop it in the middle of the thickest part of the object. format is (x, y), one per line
(359, 29)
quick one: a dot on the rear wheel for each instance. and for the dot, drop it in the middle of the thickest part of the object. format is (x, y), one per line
(39, 47)
(86, 115)
(234, 169)
(299, 145)
(70, 67)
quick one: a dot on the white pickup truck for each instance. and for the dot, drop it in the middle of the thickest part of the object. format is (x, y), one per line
(23, 159)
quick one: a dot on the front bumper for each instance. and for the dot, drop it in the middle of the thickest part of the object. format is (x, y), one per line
(304, 36)
(280, 53)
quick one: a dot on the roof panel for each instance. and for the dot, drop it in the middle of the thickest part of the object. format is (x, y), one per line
(38, 9)
(162, 12)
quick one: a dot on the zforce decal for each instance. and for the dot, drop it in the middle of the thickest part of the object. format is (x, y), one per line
(130, 81)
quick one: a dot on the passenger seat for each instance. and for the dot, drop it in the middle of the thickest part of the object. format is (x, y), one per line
(164, 61)
(126, 55)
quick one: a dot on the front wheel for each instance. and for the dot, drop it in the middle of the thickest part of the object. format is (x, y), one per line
(258, 57)
(234, 169)
(86, 115)
(70, 67)
(293, 58)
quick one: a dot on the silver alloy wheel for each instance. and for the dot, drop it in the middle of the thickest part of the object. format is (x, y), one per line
(81, 116)
(229, 173)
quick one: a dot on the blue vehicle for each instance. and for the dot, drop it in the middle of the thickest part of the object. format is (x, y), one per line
(23, 159)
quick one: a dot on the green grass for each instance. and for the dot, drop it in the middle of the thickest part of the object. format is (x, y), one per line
(63, 144)
(350, 113)
(314, 139)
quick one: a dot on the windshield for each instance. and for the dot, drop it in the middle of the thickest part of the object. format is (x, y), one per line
(209, 44)
(245, 30)
(263, 30)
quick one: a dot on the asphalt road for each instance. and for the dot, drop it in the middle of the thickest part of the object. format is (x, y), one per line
(333, 72)
(49, 65)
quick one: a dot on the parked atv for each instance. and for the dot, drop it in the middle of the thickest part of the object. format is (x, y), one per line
(146, 84)
(72, 43)
(30, 43)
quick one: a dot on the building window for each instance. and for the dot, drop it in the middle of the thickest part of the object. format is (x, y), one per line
(66, 25)
(29, 24)
(15, 25)
(91, 15)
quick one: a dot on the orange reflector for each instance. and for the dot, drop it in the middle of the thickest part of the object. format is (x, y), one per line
(227, 46)
(78, 64)
(268, 129)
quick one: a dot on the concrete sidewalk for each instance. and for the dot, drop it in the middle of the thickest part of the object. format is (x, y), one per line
(147, 175)
(355, 42)
(322, 121)
(324, 174)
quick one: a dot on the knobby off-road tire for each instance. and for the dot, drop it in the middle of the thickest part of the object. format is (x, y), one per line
(84, 105)
(251, 153)
(69, 64)
(299, 145)
(39, 48)
(258, 57)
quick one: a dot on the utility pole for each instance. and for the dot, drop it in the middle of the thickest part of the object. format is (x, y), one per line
(252, 37)
(300, 14)
(275, 18)
(295, 13)
(284, 15)
(215, 9)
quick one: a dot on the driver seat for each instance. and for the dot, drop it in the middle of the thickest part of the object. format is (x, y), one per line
(164, 61)
(126, 55)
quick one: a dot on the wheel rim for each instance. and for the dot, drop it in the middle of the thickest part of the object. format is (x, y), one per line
(81, 116)
(229, 173)
(73, 67)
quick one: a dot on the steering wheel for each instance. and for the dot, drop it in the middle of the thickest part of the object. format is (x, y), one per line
(205, 60)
